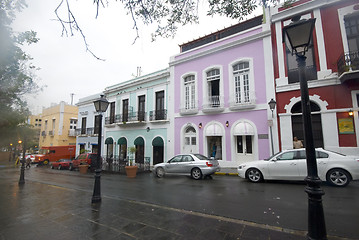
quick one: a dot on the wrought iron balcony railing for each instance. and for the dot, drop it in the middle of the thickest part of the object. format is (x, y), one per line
(158, 115)
(348, 62)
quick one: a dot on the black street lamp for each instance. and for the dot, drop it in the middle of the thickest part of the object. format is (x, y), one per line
(101, 107)
(299, 34)
(272, 104)
(22, 169)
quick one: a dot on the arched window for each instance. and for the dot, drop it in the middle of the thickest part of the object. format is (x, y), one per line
(297, 123)
(241, 82)
(189, 92)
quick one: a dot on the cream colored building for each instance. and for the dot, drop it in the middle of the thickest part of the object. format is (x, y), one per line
(36, 122)
(58, 125)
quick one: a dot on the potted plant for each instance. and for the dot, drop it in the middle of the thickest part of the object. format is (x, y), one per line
(131, 169)
(83, 167)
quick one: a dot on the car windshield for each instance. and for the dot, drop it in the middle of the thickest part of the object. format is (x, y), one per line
(201, 157)
(272, 156)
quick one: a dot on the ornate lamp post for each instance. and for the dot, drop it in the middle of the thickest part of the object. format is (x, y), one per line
(272, 104)
(299, 34)
(101, 107)
(22, 171)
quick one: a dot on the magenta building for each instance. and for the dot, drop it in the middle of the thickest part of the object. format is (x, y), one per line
(221, 86)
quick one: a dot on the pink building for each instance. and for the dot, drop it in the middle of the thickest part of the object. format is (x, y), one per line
(221, 86)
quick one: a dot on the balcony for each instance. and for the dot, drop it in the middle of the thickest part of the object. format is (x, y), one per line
(43, 133)
(189, 108)
(51, 133)
(213, 104)
(348, 66)
(72, 133)
(86, 131)
(238, 103)
(131, 117)
(158, 115)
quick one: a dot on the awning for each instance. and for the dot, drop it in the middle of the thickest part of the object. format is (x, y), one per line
(139, 141)
(122, 141)
(109, 141)
(81, 143)
(243, 128)
(157, 142)
(214, 130)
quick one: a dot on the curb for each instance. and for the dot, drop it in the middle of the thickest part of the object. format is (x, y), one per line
(226, 174)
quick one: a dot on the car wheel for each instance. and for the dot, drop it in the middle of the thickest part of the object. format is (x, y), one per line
(338, 177)
(59, 167)
(160, 172)
(254, 175)
(196, 173)
(71, 167)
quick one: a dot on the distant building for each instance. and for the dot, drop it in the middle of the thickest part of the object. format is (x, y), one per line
(138, 117)
(36, 121)
(58, 125)
(87, 126)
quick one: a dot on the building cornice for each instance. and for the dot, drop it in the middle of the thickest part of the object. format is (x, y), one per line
(302, 8)
(140, 80)
(241, 41)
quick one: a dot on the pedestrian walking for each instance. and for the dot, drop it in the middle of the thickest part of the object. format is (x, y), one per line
(28, 162)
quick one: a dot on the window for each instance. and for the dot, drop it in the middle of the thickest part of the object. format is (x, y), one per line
(213, 83)
(241, 82)
(83, 125)
(190, 92)
(141, 107)
(160, 106)
(112, 112)
(125, 110)
(287, 156)
(352, 29)
(73, 123)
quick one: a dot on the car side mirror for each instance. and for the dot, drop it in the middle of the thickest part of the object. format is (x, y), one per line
(274, 159)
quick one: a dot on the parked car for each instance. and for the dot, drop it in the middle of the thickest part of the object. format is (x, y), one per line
(195, 165)
(84, 158)
(61, 164)
(337, 169)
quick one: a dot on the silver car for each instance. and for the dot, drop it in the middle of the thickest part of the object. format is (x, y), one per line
(337, 169)
(195, 165)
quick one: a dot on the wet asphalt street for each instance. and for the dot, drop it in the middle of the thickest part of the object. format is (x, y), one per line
(57, 205)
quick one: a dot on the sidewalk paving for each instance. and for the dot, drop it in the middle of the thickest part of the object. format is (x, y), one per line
(37, 210)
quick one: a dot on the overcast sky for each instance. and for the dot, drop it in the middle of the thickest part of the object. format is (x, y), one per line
(66, 67)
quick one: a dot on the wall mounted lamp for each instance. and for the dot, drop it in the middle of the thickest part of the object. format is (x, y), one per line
(227, 124)
(351, 113)
(148, 129)
(200, 125)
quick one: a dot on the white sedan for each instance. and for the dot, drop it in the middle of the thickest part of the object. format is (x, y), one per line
(337, 169)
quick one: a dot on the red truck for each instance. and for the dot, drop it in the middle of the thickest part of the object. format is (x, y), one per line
(54, 153)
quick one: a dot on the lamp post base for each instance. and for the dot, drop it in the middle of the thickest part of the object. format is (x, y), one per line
(96, 197)
(22, 173)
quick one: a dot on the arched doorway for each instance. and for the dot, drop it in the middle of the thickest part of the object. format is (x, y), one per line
(214, 135)
(122, 145)
(140, 150)
(243, 133)
(109, 147)
(297, 123)
(158, 147)
(190, 140)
